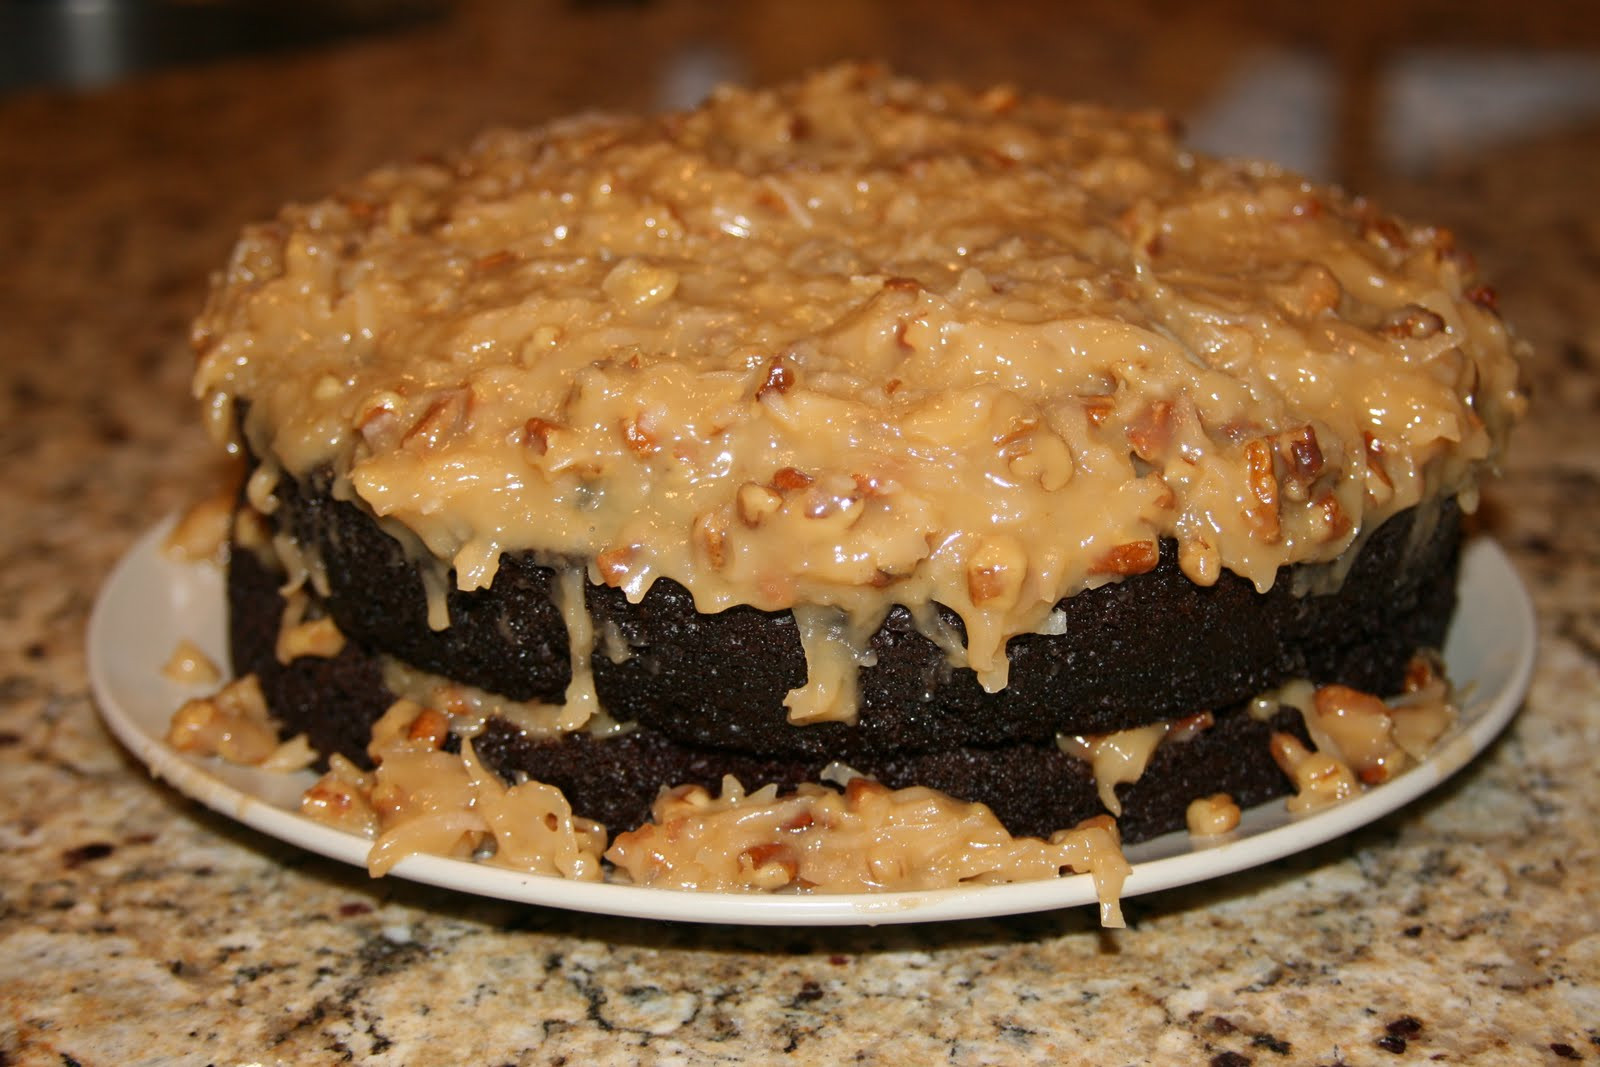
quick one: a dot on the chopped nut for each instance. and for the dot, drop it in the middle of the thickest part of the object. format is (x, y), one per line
(1151, 431)
(1015, 438)
(1357, 726)
(799, 821)
(639, 441)
(250, 530)
(833, 500)
(391, 727)
(1199, 560)
(1212, 815)
(755, 502)
(292, 755)
(1413, 321)
(1314, 290)
(1319, 778)
(634, 283)
(1263, 483)
(787, 479)
(861, 790)
(537, 433)
(1041, 455)
(613, 565)
(1335, 522)
(1379, 485)
(1386, 233)
(1189, 727)
(996, 569)
(340, 798)
(233, 723)
(1302, 455)
(769, 866)
(1421, 672)
(1134, 557)
(189, 665)
(710, 538)
(779, 379)
(261, 489)
(431, 726)
(379, 423)
(202, 531)
(1163, 498)
(1101, 822)
(319, 638)
(447, 417)
(1097, 408)
(869, 485)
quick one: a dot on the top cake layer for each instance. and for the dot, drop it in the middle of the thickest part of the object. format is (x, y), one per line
(861, 341)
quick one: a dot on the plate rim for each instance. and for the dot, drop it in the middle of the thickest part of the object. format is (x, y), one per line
(1486, 574)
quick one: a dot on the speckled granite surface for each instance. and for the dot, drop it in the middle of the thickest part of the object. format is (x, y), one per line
(136, 927)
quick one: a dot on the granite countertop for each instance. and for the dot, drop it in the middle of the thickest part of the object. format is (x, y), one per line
(138, 927)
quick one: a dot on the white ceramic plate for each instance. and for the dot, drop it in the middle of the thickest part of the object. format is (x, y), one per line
(150, 602)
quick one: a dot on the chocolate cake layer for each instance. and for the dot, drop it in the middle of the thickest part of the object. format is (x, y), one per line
(1151, 647)
(706, 690)
(1033, 788)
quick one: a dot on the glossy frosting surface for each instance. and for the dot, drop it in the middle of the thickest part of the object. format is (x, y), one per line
(859, 341)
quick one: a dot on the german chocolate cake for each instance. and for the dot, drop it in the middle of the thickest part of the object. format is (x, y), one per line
(859, 454)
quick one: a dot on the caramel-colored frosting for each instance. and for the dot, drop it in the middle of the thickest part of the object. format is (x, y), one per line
(860, 341)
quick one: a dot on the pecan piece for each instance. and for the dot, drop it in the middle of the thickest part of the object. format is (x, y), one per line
(788, 479)
(1412, 321)
(1379, 485)
(1151, 431)
(639, 441)
(379, 422)
(1302, 455)
(431, 726)
(771, 865)
(755, 502)
(613, 565)
(711, 540)
(445, 418)
(860, 790)
(1263, 483)
(779, 379)
(1097, 408)
(1335, 522)
(536, 434)
(1386, 233)
(995, 571)
(1134, 557)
